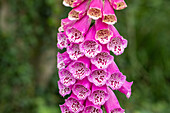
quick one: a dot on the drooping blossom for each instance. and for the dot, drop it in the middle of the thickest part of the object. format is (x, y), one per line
(109, 16)
(118, 4)
(74, 51)
(98, 76)
(102, 60)
(66, 78)
(62, 40)
(116, 79)
(103, 33)
(74, 104)
(91, 108)
(117, 44)
(72, 3)
(66, 24)
(65, 109)
(80, 68)
(90, 47)
(99, 95)
(79, 11)
(64, 90)
(126, 88)
(76, 33)
(112, 105)
(82, 89)
(95, 9)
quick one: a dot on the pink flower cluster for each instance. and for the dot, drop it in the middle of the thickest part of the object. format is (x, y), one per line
(87, 71)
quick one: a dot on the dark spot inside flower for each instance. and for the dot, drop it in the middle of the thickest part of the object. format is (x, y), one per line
(94, 12)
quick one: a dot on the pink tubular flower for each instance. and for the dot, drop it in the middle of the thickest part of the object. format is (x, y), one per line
(72, 3)
(103, 59)
(65, 109)
(79, 11)
(112, 105)
(95, 9)
(98, 76)
(82, 89)
(116, 79)
(126, 89)
(90, 47)
(117, 44)
(103, 33)
(74, 104)
(63, 60)
(118, 4)
(109, 16)
(65, 24)
(98, 95)
(62, 40)
(64, 90)
(80, 69)
(91, 108)
(74, 51)
(76, 33)
(66, 78)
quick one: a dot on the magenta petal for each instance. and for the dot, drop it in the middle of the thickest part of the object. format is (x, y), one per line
(66, 24)
(91, 108)
(74, 51)
(102, 60)
(62, 56)
(95, 9)
(79, 11)
(109, 16)
(65, 109)
(126, 89)
(62, 64)
(99, 95)
(64, 90)
(116, 79)
(90, 46)
(118, 4)
(82, 89)
(112, 104)
(103, 32)
(80, 69)
(66, 78)
(98, 76)
(74, 104)
(72, 3)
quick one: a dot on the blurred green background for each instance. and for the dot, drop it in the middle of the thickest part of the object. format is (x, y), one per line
(28, 80)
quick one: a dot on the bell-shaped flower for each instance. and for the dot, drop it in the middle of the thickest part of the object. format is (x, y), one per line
(116, 79)
(109, 16)
(65, 109)
(117, 44)
(66, 78)
(91, 108)
(98, 95)
(72, 3)
(62, 40)
(103, 59)
(64, 90)
(82, 89)
(98, 76)
(79, 11)
(77, 32)
(126, 88)
(63, 60)
(90, 47)
(74, 51)
(118, 4)
(95, 9)
(112, 105)
(74, 104)
(66, 24)
(103, 33)
(80, 68)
